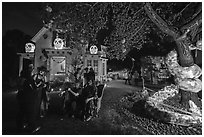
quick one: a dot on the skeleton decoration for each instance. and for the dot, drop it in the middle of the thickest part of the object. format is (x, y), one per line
(58, 43)
(29, 47)
(93, 49)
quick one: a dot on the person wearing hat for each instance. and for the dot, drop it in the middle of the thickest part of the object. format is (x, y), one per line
(40, 84)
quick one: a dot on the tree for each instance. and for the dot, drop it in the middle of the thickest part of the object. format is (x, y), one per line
(129, 32)
(179, 33)
(81, 21)
(125, 23)
(130, 24)
(184, 27)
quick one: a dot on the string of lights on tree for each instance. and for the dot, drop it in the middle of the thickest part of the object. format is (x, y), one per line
(81, 21)
(131, 25)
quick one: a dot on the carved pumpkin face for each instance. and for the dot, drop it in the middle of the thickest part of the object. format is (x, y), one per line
(29, 47)
(58, 43)
(93, 50)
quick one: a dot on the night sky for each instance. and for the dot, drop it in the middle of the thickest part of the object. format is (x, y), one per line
(23, 16)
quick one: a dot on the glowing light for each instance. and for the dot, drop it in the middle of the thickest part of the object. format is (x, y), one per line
(58, 43)
(93, 49)
(29, 47)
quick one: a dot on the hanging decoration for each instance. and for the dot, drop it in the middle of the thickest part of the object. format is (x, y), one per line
(58, 61)
(93, 49)
(29, 47)
(58, 43)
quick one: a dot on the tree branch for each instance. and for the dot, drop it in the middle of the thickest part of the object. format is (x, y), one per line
(198, 12)
(138, 29)
(193, 26)
(194, 23)
(179, 14)
(159, 21)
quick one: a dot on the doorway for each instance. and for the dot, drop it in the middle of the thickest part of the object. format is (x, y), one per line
(57, 68)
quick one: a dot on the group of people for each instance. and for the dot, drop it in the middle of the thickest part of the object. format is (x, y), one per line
(32, 96)
(32, 93)
(85, 89)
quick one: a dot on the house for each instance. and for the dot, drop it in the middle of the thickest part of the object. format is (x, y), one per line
(61, 57)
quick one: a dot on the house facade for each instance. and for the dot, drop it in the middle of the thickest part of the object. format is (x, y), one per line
(61, 57)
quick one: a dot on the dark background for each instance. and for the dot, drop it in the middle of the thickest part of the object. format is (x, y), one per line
(23, 16)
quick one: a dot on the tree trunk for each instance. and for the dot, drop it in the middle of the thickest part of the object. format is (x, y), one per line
(184, 53)
(183, 43)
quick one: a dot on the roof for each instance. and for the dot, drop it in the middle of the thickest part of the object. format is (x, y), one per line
(39, 34)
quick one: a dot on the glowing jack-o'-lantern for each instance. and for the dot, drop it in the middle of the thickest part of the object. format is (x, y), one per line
(29, 47)
(58, 43)
(93, 49)
(199, 44)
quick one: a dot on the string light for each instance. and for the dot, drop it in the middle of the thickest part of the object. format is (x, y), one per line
(131, 25)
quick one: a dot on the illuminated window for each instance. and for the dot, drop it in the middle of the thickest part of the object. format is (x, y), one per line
(96, 66)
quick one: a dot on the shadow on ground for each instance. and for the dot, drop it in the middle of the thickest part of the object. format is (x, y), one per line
(139, 110)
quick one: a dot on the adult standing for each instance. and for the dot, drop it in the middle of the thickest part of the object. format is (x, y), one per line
(91, 75)
(128, 77)
(26, 102)
(44, 98)
(85, 79)
(136, 77)
(39, 79)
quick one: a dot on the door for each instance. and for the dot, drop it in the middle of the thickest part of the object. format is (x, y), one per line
(57, 68)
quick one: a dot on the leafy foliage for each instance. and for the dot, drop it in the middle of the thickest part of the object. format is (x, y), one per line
(81, 21)
(127, 22)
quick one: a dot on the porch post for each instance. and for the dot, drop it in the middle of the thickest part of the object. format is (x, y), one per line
(20, 65)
